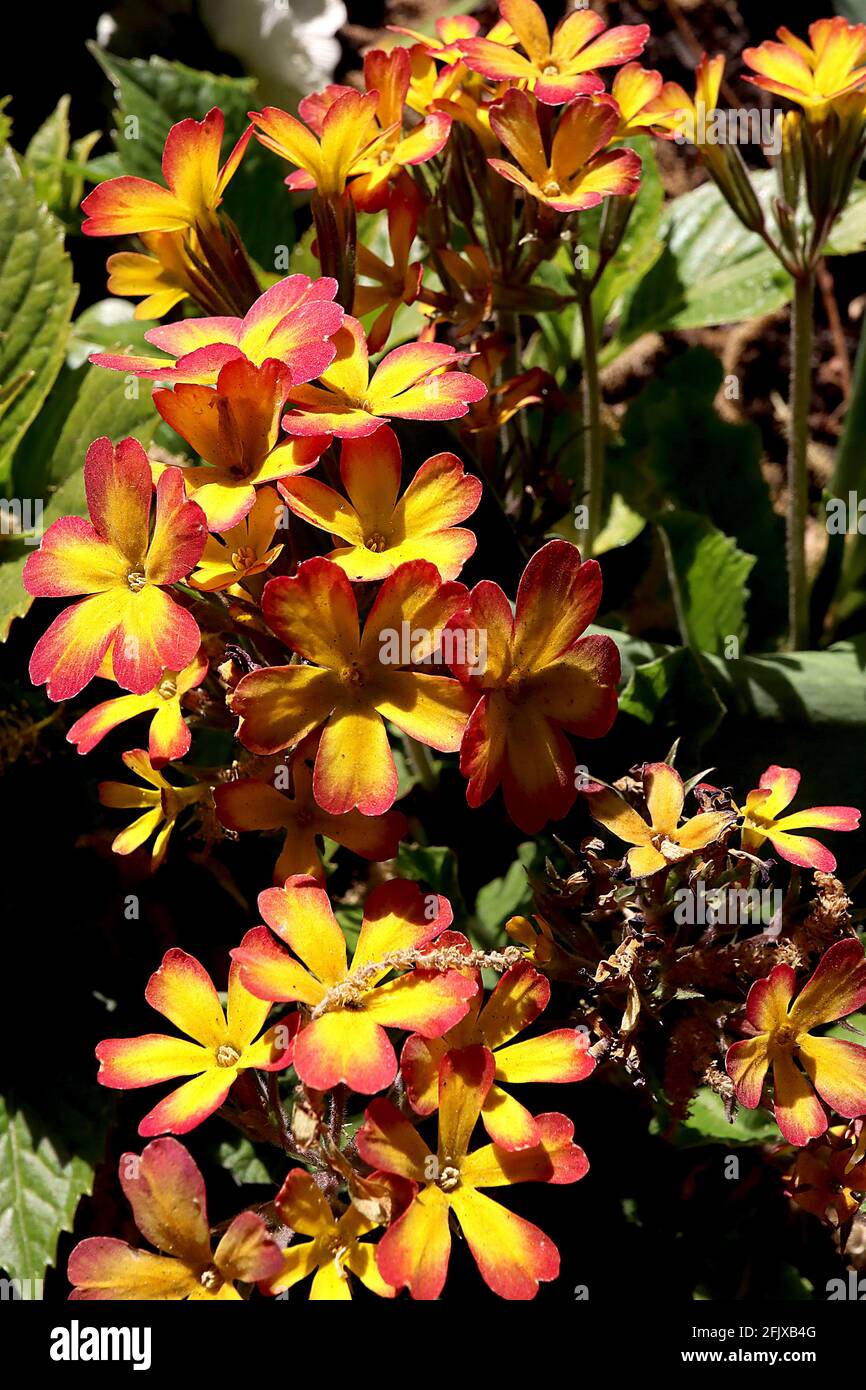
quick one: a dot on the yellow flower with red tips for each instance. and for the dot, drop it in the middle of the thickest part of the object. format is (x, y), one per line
(661, 841)
(196, 184)
(647, 103)
(235, 428)
(334, 1247)
(519, 998)
(580, 171)
(394, 284)
(451, 30)
(380, 532)
(169, 1205)
(223, 1046)
(161, 275)
(414, 382)
(161, 801)
(542, 679)
(505, 395)
(328, 158)
(124, 571)
(513, 1256)
(693, 119)
(389, 74)
(815, 75)
(293, 322)
(355, 681)
(558, 66)
(782, 1037)
(352, 1005)
(762, 821)
(170, 736)
(242, 551)
(253, 804)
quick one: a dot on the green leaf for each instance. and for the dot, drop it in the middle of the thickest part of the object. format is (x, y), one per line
(50, 462)
(848, 236)
(673, 694)
(707, 1122)
(711, 271)
(708, 575)
(45, 156)
(36, 299)
(107, 324)
(677, 451)
(238, 1156)
(152, 96)
(43, 1177)
(435, 866)
(507, 896)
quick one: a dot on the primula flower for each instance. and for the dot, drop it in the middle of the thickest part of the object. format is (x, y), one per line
(355, 681)
(516, 1002)
(580, 172)
(196, 184)
(251, 804)
(122, 567)
(555, 67)
(170, 736)
(505, 395)
(470, 286)
(828, 1180)
(347, 133)
(352, 1005)
(160, 274)
(541, 680)
(167, 1194)
(661, 841)
(334, 1247)
(647, 103)
(394, 284)
(815, 75)
(380, 532)
(414, 382)
(292, 322)
(223, 1047)
(451, 30)
(235, 429)
(694, 121)
(161, 802)
(763, 821)
(241, 551)
(389, 75)
(512, 1255)
(783, 1036)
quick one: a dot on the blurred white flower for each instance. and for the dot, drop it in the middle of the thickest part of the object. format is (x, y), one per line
(289, 45)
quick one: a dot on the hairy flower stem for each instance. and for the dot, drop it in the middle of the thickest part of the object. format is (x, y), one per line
(798, 451)
(593, 476)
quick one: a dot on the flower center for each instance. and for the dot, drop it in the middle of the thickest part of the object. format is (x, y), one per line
(449, 1177)
(551, 189)
(136, 579)
(211, 1279)
(226, 1055)
(244, 558)
(785, 1037)
(352, 675)
(551, 70)
(376, 542)
(167, 690)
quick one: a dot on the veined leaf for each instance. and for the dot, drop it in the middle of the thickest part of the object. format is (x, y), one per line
(36, 300)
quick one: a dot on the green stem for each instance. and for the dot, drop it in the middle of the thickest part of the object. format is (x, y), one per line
(593, 477)
(798, 452)
(419, 755)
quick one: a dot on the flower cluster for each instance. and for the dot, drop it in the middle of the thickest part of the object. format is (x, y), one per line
(284, 576)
